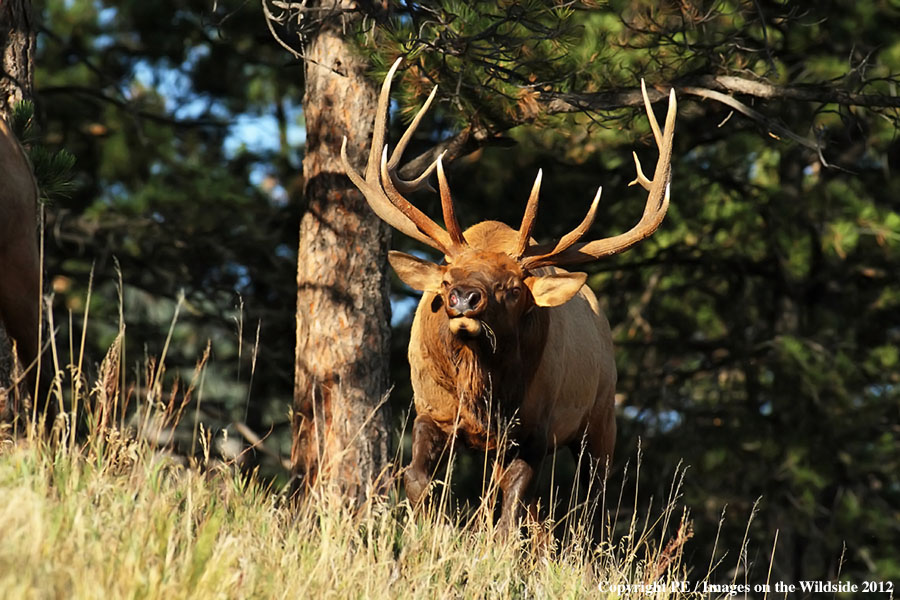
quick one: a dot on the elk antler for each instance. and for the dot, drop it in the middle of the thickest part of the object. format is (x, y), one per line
(383, 188)
(567, 251)
(528, 218)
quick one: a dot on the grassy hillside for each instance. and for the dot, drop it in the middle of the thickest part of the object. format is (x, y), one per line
(114, 517)
(111, 516)
(113, 512)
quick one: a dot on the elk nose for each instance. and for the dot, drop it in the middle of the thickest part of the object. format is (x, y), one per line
(464, 301)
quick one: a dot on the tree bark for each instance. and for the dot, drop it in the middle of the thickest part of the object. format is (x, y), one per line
(340, 422)
(17, 39)
(16, 54)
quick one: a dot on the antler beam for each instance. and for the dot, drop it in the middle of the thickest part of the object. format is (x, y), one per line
(568, 252)
(383, 188)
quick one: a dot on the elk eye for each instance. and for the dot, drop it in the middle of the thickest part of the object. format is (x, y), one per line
(515, 293)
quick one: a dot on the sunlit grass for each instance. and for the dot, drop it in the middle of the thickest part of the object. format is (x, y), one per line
(131, 522)
(102, 507)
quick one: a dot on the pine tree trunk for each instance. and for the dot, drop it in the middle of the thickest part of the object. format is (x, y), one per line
(17, 38)
(340, 424)
(16, 53)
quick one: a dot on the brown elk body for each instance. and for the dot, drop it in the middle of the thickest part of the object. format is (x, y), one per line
(19, 259)
(504, 343)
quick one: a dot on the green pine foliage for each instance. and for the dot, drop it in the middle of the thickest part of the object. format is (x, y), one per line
(52, 168)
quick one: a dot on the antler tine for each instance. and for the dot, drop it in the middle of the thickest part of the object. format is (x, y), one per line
(381, 121)
(437, 236)
(578, 232)
(371, 184)
(529, 217)
(640, 177)
(420, 182)
(450, 222)
(567, 252)
(567, 240)
(654, 124)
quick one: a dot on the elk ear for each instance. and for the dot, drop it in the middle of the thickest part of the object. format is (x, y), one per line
(418, 274)
(553, 290)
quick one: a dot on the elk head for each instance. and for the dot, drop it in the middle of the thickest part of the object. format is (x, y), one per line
(485, 289)
(495, 278)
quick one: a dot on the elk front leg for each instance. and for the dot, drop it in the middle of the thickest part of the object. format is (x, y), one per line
(518, 481)
(428, 441)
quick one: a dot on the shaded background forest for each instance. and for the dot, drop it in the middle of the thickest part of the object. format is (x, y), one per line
(756, 332)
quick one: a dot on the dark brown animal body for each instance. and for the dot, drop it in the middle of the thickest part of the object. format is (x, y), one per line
(544, 379)
(19, 259)
(505, 345)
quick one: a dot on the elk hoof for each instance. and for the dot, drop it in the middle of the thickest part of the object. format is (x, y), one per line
(417, 487)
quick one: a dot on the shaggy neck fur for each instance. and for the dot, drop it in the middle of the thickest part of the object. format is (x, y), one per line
(488, 378)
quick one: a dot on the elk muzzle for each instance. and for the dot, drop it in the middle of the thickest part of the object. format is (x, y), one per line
(464, 304)
(465, 301)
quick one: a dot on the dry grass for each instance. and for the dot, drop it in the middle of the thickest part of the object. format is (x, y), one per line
(109, 513)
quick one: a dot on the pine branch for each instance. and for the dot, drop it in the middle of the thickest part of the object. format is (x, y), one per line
(52, 170)
(722, 89)
(158, 118)
(555, 103)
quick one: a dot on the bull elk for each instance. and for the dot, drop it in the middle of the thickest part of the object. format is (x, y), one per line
(19, 260)
(503, 337)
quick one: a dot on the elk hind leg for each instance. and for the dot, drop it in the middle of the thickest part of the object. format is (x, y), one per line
(20, 301)
(593, 454)
(600, 433)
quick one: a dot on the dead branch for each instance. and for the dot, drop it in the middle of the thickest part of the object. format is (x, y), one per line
(721, 89)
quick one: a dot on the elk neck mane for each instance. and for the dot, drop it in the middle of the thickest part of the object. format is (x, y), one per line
(487, 377)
